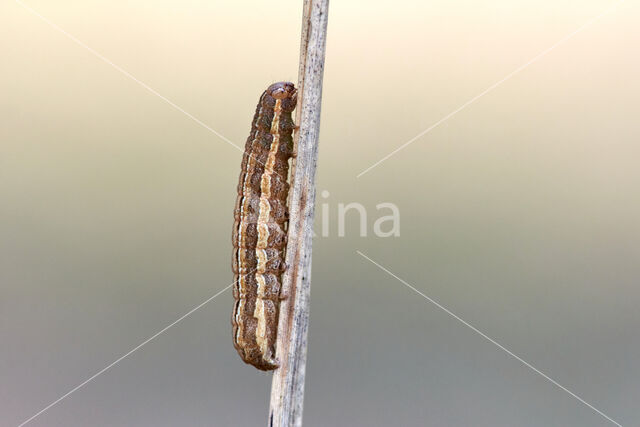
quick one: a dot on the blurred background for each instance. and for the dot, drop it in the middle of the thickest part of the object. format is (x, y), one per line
(520, 213)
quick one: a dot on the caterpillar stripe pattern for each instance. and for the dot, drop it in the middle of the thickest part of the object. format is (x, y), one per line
(259, 230)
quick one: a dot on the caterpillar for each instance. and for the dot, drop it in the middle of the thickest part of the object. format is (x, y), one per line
(260, 227)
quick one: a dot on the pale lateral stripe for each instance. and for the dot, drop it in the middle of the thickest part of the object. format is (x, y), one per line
(261, 254)
(261, 285)
(241, 282)
(250, 167)
(239, 322)
(261, 330)
(263, 229)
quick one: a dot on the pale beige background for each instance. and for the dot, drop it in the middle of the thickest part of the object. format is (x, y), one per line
(521, 214)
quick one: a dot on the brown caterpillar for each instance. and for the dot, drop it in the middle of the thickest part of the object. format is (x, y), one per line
(259, 231)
